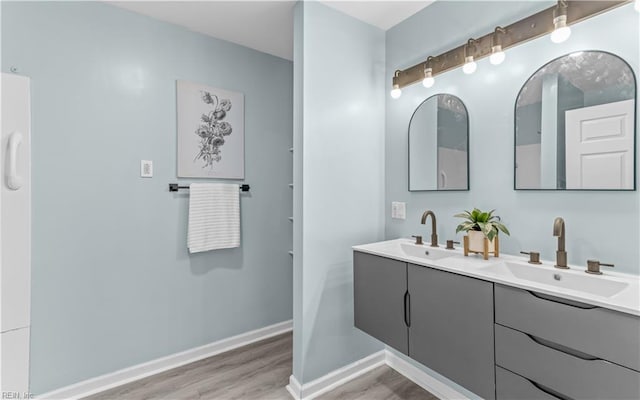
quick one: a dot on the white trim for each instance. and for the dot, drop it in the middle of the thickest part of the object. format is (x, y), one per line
(307, 391)
(340, 376)
(423, 379)
(335, 378)
(108, 381)
(294, 388)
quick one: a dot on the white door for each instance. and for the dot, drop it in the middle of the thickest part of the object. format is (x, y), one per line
(600, 146)
(15, 234)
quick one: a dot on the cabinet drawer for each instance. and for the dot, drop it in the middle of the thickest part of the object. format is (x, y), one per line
(603, 333)
(510, 386)
(564, 370)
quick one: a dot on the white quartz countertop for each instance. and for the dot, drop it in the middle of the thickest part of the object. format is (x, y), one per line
(615, 291)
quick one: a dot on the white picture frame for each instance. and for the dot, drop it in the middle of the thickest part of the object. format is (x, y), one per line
(210, 126)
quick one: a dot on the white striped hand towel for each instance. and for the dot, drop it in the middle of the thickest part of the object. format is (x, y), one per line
(214, 216)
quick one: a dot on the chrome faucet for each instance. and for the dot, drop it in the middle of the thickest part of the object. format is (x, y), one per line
(561, 254)
(434, 235)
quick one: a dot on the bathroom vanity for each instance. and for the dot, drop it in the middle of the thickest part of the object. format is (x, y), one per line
(502, 328)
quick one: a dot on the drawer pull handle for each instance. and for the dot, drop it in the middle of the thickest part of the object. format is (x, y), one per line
(407, 309)
(14, 180)
(548, 391)
(566, 302)
(563, 349)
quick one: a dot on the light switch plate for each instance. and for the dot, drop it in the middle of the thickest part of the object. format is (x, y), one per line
(398, 210)
(146, 168)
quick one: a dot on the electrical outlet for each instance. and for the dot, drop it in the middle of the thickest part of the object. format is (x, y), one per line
(146, 168)
(398, 210)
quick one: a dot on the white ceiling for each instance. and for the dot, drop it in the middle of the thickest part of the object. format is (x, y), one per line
(383, 14)
(265, 25)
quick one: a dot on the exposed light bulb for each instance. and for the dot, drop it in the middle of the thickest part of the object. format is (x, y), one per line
(428, 80)
(561, 31)
(561, 34)
(396, 92)
(497, 55)
(470, 66)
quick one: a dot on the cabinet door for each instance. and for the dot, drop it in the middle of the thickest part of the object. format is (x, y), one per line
(379, 288)
(451, 327)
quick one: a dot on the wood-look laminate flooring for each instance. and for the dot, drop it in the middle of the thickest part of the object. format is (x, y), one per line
(258, 371)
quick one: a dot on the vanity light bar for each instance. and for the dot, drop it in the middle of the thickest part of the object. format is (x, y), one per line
(529, 28)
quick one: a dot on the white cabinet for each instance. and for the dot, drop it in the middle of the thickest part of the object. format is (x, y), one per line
(15, 233)
(15, 361)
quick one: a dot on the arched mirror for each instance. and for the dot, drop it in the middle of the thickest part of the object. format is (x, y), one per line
(575, 125)
(438, 145)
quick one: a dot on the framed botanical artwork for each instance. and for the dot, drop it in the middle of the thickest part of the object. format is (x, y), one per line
(210, 132)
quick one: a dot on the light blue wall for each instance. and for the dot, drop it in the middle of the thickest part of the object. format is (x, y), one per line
(113, 284)
(339, 155)
(600, 225)
(569, 98)
(298, 177)
(423, 153)
(529, 124)
(549, 138)
(452, 129)
(609, 95)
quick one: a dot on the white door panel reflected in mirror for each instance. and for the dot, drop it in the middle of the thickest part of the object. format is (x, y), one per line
(575, 125)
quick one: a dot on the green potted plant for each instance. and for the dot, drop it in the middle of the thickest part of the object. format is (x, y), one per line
(479, 225)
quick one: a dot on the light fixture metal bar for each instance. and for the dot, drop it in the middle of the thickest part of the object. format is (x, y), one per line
(529, 28)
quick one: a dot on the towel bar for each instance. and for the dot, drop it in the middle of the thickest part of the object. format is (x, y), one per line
(174, 187)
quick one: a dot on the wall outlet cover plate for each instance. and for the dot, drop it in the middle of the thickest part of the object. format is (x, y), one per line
(146, 168)
(398, 210)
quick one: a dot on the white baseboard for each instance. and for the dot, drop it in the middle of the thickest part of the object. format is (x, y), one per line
(342, 375)
(306, 391)
(421, 378)
(108, 381)
(335, 378)
(294, 388)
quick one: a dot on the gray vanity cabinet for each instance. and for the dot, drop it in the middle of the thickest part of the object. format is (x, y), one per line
(451, 327)
(603, 333)
(564, 348)
(441, 319)
(510, 386)
(379, 294)
(495, 340)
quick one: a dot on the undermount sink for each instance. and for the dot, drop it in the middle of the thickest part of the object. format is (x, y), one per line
(567, 279)
(425, 251)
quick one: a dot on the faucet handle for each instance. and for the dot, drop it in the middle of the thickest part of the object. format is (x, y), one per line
(534, 256)
(450, 244)
(593, 267)
(418, 239)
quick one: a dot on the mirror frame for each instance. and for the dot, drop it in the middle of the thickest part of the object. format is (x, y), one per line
(409, 148)
(635, 128)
